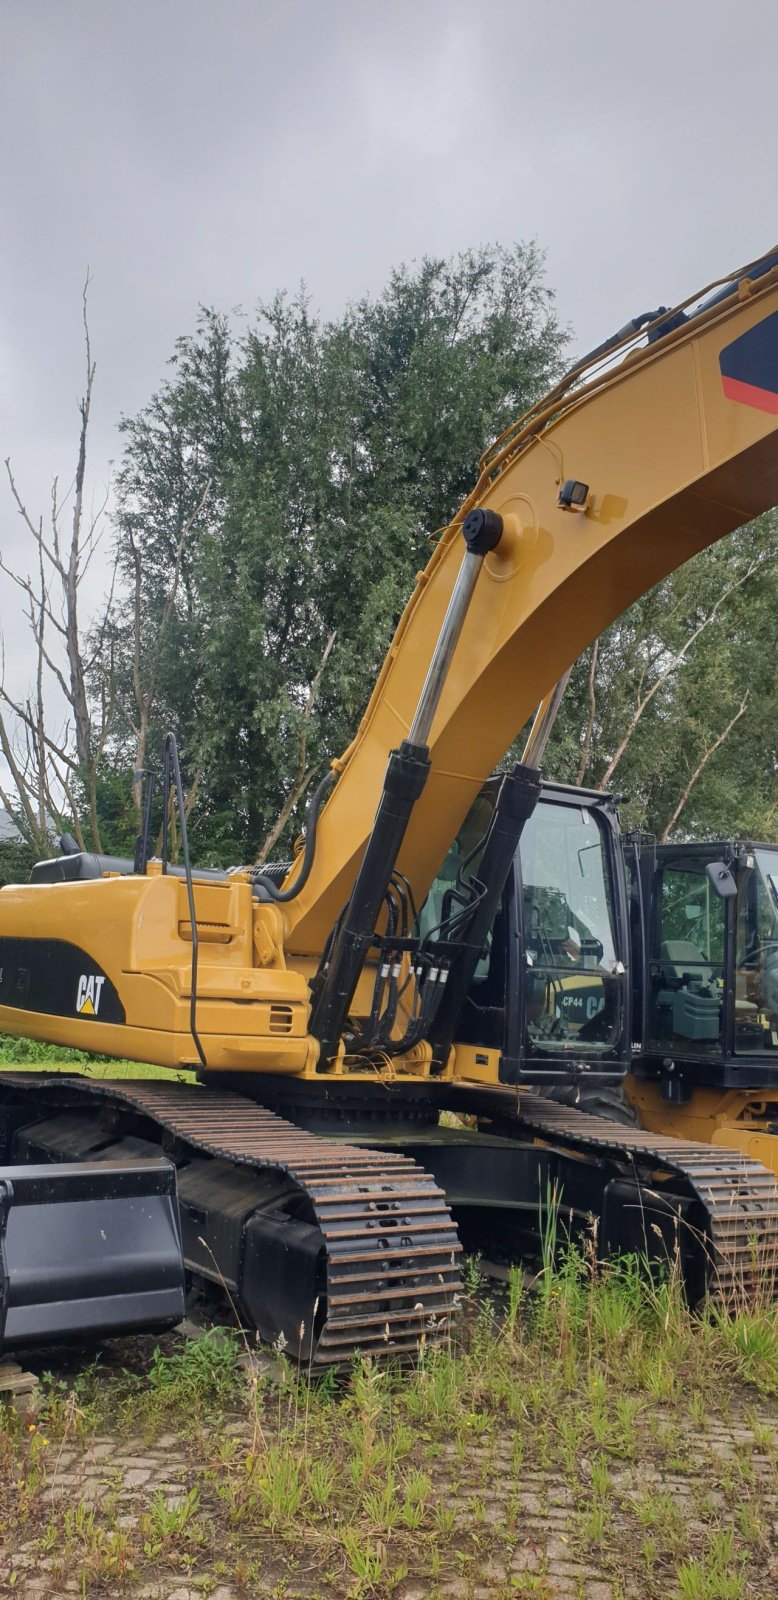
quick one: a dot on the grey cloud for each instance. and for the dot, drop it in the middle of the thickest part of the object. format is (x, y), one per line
(191, 152)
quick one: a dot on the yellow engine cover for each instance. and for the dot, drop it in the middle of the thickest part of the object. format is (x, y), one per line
(113, 973)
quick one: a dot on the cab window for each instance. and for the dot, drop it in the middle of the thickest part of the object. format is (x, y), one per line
(571, 980)
(686, 969)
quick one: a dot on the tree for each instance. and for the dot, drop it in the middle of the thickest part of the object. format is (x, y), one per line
(333, 450)
(54, 737)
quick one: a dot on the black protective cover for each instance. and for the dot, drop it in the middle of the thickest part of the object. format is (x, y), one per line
(88, 1249)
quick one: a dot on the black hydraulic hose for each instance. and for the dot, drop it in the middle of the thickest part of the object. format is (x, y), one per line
(260, 879)
(632, 327)
(171, 758)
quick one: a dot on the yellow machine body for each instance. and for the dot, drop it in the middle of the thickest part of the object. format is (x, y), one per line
(734, 1119)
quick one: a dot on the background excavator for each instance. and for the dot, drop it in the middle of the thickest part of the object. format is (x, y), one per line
(705, 971)
(320, 1005)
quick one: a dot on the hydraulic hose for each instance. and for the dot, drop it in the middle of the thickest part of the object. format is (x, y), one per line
(263, 882)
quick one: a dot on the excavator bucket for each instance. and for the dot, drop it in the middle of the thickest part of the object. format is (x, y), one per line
(88, 1249)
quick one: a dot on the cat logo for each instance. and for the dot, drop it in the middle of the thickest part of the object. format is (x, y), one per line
(88, 995)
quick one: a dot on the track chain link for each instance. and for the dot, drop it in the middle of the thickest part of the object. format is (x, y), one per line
(738, 1194)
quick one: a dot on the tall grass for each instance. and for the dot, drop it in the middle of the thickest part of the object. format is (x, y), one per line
(385, 1470)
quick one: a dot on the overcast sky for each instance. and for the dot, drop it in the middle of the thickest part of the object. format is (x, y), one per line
(215, 150)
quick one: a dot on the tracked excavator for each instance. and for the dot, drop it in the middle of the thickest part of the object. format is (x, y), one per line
(333, 1007)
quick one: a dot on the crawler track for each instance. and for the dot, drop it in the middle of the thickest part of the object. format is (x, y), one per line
(738, 1195)
(391, 1246)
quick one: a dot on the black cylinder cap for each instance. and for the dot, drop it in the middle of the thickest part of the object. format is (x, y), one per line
(482, 530)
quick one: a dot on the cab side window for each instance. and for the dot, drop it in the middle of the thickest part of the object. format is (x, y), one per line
(686, 971)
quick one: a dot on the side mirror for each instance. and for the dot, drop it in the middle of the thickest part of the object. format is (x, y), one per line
(721, 879)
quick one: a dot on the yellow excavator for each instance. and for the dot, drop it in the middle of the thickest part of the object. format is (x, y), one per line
(327, 1006)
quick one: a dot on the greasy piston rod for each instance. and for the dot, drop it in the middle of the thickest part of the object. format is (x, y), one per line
(406, 774)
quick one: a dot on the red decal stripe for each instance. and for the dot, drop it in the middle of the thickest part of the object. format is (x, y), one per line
(749, 394)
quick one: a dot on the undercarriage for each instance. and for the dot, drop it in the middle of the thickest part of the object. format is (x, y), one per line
(327, 1247)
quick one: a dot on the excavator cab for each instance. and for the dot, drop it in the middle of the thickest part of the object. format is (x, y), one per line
(551, 991)
(705, 935)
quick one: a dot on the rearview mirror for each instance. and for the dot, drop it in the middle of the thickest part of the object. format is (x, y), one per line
(721, 879)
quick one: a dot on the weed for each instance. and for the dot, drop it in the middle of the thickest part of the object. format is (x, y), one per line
(278, 1481)
(594, 1522)
(366, 1557)
(749, 1342)
(201, 1373)
(649, 1551)
(380, 1506)
(167, 1521)
(661, 1514)
(445, 1517)
(763, 1434)
(320, 1481)
(601, 1478)
(697, 1409)
(472, 1277)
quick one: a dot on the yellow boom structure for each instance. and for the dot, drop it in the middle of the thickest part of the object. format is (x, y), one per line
(672, 463)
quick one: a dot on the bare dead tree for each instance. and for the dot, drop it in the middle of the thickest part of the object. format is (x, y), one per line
(671, 665)
(304, 772)
(591, 713)
(708, 753)
(52, 754)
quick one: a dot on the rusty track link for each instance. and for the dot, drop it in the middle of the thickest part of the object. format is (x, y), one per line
(739, 1195)
(392, 1249)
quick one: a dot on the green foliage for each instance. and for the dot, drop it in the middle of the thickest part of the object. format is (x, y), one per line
(332, 451)
(17, 859)
(202, 1373)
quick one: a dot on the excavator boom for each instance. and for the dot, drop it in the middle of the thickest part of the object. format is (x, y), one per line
(603, 490)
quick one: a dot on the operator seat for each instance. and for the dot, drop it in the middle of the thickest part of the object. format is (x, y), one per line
(680, 958)
(687, 990)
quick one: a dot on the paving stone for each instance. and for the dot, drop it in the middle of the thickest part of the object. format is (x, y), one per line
(495, 1570)
(529, 1503)
(135, 1477)
(93, 1488)
(558, 1549)
(526, 1559)
(99, 1450)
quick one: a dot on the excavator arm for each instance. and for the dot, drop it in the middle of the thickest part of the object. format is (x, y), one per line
(604, 488)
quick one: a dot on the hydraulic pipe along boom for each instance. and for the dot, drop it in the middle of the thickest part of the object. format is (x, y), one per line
(519, 794)
(406, 774)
